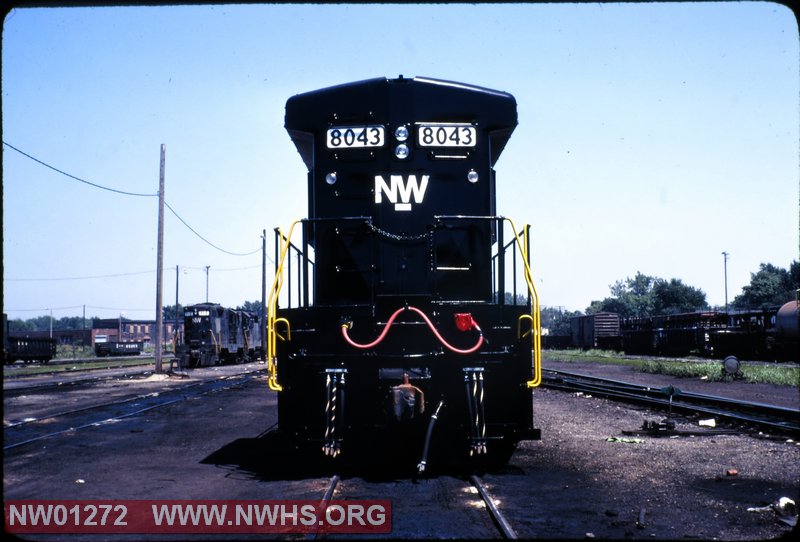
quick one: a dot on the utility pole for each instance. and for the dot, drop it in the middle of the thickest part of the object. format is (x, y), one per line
(160, 264)
(725, 258)
(207, 282)
(175, 331)
(264, 293)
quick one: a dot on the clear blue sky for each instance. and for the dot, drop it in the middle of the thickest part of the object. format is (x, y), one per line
(651, 138)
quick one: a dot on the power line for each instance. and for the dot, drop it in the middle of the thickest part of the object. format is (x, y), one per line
(129, 194)
(45, 309)
(74, 177)
(115, 275)
(119, 309)
(81, 278)
(206, 240)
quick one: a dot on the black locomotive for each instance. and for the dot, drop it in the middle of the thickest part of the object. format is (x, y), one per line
(394, 322)
(214, 334)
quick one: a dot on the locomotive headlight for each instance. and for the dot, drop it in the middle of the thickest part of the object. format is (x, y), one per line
(401, 133)
(401, 151)
(330, 178)
(472, 176)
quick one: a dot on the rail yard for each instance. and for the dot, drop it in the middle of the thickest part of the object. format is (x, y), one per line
(128, 434)
(393, 383)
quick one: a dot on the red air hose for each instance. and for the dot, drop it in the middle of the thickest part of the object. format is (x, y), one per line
(473, 325)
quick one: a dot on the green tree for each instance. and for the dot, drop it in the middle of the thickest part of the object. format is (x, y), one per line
(18, 325)
(251, 306)
(769, 286)
(674, 297)
(630, 298)
(643, 296)
(71, 322)
(557, 320)
(169, 312)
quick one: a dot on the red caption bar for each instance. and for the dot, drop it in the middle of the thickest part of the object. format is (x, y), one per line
(165, 516)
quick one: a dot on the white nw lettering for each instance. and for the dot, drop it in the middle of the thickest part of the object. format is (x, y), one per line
(404, 189)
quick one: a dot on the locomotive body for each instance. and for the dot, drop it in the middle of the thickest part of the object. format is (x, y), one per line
(395, 316)
(214, 334)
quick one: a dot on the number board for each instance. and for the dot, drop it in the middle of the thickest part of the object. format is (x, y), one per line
(446, 135)
(355, 137)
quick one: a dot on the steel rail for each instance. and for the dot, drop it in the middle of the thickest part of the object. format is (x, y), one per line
(769, 416)
(67, 383)
(213, 385)
(497, 516)
(689, 396)
(139, 397)
(323, 504)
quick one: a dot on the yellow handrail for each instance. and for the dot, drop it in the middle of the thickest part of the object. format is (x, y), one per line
(522, 317)
(272, 311)
(535, 316)
(288, 329)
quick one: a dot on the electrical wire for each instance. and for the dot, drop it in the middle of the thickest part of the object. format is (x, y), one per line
(129, 194)
(206, 240)
(115, 275)
(81, 278)
(77, 178)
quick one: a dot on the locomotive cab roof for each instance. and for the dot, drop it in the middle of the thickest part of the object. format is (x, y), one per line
(398, 101)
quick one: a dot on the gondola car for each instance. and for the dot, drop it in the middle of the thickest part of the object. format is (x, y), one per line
(389, 334)
(21, 347)
(215, 335)
(113, 348)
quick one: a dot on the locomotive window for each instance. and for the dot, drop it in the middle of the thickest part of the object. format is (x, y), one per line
(446, 135)
(355, 137)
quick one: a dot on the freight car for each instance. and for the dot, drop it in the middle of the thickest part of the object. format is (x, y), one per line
(20, 347)
(671, 335)
(214, 334)
(27, 349)
(766, 334)
(760, 334)
(599, 330)
(114, 348)
(396, 307)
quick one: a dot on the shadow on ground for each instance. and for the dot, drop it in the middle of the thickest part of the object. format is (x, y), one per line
(272, 457)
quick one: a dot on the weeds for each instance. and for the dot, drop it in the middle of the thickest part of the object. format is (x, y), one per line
(684, 368)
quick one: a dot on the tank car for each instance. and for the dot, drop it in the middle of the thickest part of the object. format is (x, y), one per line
(787, 331)
(214, 334)
(390, 336)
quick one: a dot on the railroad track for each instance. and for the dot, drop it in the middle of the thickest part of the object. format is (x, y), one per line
(28, 386)
(12, 372)
(56, 423)
(460, 497)
(735, 412)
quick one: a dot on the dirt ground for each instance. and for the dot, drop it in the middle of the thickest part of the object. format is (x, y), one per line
(584, 479)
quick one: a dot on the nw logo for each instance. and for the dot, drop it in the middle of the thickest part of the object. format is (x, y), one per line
(397, 187)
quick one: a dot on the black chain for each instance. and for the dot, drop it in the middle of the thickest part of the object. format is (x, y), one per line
(396, 236)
